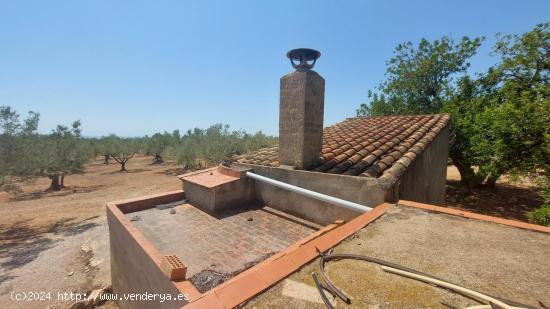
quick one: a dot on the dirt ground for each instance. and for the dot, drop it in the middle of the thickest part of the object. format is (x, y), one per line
(510, 200)
(58, 241)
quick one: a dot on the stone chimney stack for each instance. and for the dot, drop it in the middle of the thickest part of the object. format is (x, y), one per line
(301, 111)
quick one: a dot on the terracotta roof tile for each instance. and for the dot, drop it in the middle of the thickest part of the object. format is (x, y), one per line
(367, 146)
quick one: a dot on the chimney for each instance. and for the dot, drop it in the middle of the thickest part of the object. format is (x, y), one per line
(301, 111)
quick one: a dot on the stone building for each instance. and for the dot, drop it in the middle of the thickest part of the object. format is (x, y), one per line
(245, 233)
(367, 160)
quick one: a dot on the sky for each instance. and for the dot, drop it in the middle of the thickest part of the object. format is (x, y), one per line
(140, 67)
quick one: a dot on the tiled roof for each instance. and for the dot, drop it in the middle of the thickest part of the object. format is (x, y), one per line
(367, 146)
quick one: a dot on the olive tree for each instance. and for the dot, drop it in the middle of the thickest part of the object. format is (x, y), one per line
(124, 149)
(16, 163)
(105, 147)
(207, 147)
(62, 152)
(157, 144)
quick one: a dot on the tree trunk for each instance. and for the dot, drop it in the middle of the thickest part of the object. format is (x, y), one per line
(468, 177)
(62, 180)
(158, 159)
(123, 166)
(491, 181)
(106, 159)
(55, 184)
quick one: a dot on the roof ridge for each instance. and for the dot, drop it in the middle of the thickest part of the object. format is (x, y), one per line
(398, 115)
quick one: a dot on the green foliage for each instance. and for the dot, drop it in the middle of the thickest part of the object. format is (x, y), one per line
(123, 149)
(206, 147)
(540, 216)
(420, 79)
(62, 151)
(499, 120)
(15, 141)
(104, 146)
(26, 154)
(157, 144)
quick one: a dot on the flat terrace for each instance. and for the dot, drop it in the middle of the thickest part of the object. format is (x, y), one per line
(226, 243)
(497, 259)
(505, 258)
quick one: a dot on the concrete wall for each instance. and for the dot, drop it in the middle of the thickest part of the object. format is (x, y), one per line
(424, 181)
(134, 271)
(199, 196)
(360, 190)
(234, 194)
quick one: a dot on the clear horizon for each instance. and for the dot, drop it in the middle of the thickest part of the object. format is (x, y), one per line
(136, 68)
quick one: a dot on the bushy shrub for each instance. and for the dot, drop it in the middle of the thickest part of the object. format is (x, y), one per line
(540, 216)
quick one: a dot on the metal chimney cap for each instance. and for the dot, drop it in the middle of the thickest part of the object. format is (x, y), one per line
(303, 55)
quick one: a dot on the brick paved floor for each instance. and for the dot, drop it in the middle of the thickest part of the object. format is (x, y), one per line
(225, 244)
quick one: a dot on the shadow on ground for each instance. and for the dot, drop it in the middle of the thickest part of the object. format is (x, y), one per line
(63, 192)
(21, 243)
(506, 201)
(174, 171)
(128, 171)
(5, 278)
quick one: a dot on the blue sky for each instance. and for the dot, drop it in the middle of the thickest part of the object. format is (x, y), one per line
(134, 68)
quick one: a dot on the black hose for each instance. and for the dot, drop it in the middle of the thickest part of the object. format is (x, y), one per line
(321, 292)
(331, 257)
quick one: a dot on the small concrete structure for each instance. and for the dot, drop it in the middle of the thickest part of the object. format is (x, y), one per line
(217, 189)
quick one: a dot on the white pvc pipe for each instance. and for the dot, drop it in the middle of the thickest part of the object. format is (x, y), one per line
(450, 286)
(309, 193)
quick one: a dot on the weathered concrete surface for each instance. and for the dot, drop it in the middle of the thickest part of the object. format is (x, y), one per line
(301, 118)
(491, 258)
(425, 179)
(201, 196)
(134, 272)
(362, 190)
(79, 268)
(225, 244)
(218, 189)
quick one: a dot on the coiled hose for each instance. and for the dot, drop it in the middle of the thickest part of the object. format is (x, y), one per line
(335, 291)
